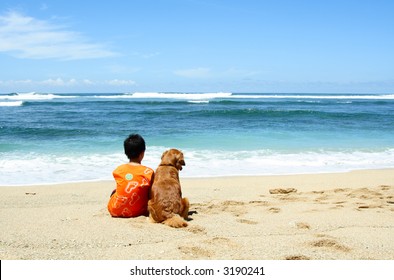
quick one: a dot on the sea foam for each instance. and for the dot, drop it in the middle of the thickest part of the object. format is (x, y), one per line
(11, 104)
(45, 168)
(32, 96)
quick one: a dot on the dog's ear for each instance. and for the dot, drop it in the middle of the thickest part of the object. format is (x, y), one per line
(163, 155)
(180, 161)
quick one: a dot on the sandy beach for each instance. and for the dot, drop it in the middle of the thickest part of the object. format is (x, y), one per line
(316, 216)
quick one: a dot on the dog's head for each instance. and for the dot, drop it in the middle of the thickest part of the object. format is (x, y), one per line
(173, 157)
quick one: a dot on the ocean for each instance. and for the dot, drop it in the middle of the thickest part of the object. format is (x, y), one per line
(55, 138)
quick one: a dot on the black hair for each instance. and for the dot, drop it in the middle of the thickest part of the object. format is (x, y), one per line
(134, 145)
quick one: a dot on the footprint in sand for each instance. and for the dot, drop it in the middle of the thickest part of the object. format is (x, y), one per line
(274, 210)
(282, 191)
(296, 257)
(330, 244)
(378, 198)
(196, 229)
(214, 207)
(370, 206)
(195, 252)
(234, 207)
(258, 203)
(300, 225)
(371, 198)
(245, 221)
(222, 242)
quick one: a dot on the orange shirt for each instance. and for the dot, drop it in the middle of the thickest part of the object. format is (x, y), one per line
(132, 191)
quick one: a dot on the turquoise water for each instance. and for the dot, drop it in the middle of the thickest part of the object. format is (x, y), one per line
(46, 138)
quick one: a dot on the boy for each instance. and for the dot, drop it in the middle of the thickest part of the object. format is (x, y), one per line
(133, 182)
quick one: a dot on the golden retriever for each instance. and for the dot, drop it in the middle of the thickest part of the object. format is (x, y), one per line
(166, 204)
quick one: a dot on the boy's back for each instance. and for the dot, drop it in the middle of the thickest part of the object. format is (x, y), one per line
(131, 197)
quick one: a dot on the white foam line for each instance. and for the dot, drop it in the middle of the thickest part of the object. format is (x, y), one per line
(33, 96)
(11, 104)
(280, 96)
(198, 96)
(40, 169)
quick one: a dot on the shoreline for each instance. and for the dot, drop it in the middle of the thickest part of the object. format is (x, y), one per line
(326, 216)
(322, 173)
(48, 168)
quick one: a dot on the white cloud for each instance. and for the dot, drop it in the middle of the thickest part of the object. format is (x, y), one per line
(16, 82)
(28, 37)
(59, 82)
(88, 82)
(193, 73)
(117, 82)
(235, 72)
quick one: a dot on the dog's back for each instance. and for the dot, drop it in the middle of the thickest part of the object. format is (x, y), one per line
(166, 204)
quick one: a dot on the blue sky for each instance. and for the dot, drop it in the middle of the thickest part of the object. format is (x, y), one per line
(197, 46)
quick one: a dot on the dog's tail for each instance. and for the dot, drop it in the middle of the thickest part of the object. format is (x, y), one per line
(175, 221)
